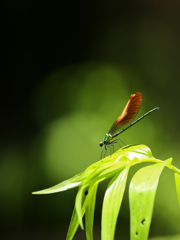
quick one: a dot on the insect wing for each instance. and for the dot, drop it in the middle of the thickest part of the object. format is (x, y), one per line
(128, 113)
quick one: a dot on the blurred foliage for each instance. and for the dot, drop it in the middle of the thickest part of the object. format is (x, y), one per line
(67, 71)
(166, 238)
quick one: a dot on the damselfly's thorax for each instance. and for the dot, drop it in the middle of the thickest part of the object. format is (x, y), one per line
(107, 140)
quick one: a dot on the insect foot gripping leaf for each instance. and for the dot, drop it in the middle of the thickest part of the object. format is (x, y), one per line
(141, 192)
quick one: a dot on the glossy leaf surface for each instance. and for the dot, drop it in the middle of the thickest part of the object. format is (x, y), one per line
(112, 203)
(142, 192)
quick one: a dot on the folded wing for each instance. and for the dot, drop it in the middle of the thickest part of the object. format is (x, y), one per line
(128, 113)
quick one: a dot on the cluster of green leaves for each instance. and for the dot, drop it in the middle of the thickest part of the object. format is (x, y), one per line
(142, 192)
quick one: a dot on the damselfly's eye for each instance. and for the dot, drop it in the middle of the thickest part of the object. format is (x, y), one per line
(101, 144)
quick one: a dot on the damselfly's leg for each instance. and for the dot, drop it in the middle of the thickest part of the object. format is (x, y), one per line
(120, 140)
(105, 151)
(102, 151)
(113, 147)
(110, 148)
(116, 141)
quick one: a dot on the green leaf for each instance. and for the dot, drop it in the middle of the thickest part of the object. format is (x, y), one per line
(78, 204)
(142, 192)
(103, 169)
(75, 221)
(65, 185)
(135, 151)
(111, 165)
(89, 211)
(177, 180)
(111, 205)
(73, 225)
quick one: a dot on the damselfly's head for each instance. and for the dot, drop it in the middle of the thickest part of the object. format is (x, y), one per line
(101, 143)
(107, 140)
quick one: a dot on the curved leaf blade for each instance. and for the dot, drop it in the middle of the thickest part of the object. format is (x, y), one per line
(65, 185)
(111, 205)
(89, 210)
(78, 204)
(102, 169)
(73, 225)
(142, 192)
(77, 215)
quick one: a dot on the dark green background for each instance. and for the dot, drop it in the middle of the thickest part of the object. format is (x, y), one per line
(67, 70)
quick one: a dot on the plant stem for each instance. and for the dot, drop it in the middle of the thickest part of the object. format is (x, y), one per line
(170, 166)
(175, 169)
